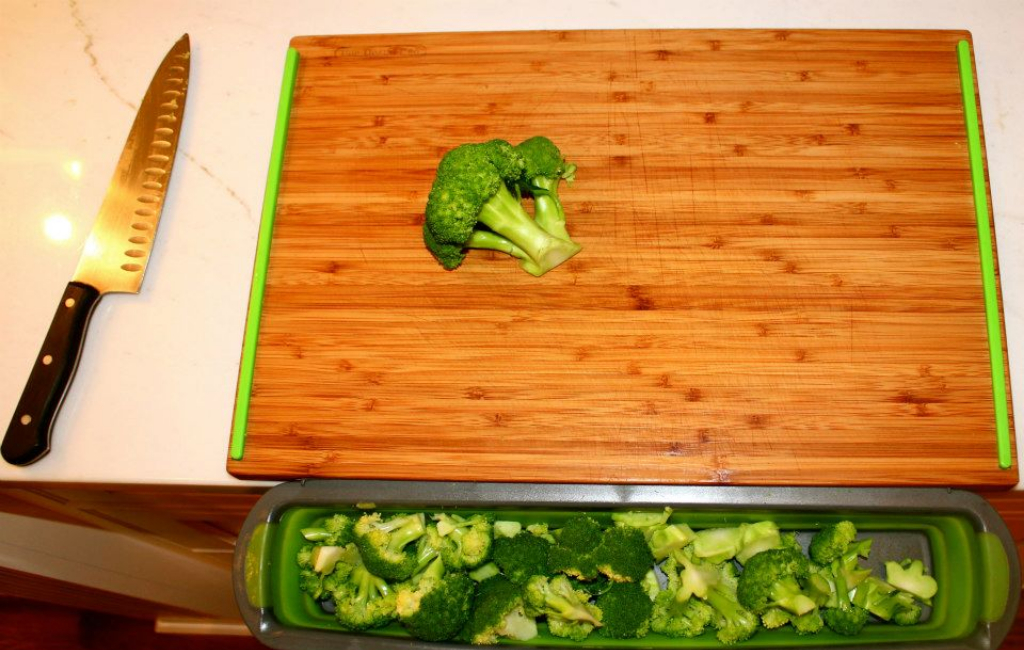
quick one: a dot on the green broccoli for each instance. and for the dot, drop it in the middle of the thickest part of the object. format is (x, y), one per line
(545, 169)
(887, 602)
(623, 554)
(909, 576)
(695, 577)
(662, 537)
(594, 587)
(568, 611)
(844, 617)
(717, 545)
(809, 623)
(626, 611)
(757, 537)
(542, 531)
(775, 617)
(465, 541)
(831, 541)
(322, 567)
(335, 530)
(772, 579)
(521, 557)
(642, 518)
(484, 572)
(364, 601)
(676, 619)
(849, 563)
(437, 606)
(470, 191)
(734, 622)
(499, 612)
(506, 528)
(573, 550)
(386, 545)
(451, 256)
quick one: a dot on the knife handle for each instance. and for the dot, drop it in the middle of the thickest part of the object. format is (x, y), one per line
(28, 436)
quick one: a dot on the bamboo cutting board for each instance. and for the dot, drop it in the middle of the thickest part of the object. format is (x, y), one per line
(780, 281)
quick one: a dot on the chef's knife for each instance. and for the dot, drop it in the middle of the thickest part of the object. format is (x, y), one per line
(115, 255)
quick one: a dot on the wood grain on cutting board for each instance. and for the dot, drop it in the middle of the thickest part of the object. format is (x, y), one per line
(780, 280)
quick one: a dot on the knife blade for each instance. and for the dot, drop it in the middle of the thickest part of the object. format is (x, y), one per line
(115, 254)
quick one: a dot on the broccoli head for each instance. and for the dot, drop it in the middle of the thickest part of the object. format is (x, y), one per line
(626, 611)
(437, 606)
(844, 617)
(831, 541)
(887, 602)
(465, 541)
(499, 612)
(470, 193)
(521, 557)
(364, 601)
(544, 169)
(321, 568)
(909, 576)
(623, 554)
(386, 545)
(676, 619)
(573, 550)
(335, 530)
(772, 579)
(568, 610)
(734, 622)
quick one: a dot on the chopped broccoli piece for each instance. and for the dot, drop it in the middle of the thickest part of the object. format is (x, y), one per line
(569, 613)
(844, 617)
(364, 601)
(676, 619)
(484, 572)
(322, 567)
(694, 577)
(909, 576)
(451, 256)
(573, 550)
(831, 541)
(541, 530)
(775, 617)
(667, 538)
(470, 193)
(757, 537)
(717, 545)
(623, 554)
(735, 623)
(595, 587)
(335, 530)
(886, 602)
(545, 169)
(809, 623)
(625, 611)
(498, 612)
(465, 541)
(506, 528)
(772, 579)
(437, 607)
(521, 557)
(642, 518)
(386, 545)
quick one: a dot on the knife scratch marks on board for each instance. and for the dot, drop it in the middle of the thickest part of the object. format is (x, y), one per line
(94, 63)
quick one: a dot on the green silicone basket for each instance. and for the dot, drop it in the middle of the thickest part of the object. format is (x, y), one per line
(962, 540)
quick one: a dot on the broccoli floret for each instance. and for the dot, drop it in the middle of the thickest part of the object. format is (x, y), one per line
(364, 601)
(849, 563)
(465, 541)
(809, 623)
(735, 623)
(757, 537)
(774, 617)
(386, 545)
(545, 169)
(335, 530)
(831, 541)
(506, 528)
(321, 568)
(772, 579)
(662, 537)
(844, 617)
(886, 602)
(788, 540)
(909, 576)
(625, 611)
(451, 256)
(573, 550)
(689, 576)
(521, 557)
(498, 612)
(470, 191)
(541, 530)
(717, 545)
(675, 618)
(569, 612)
(437, 606)
(594, 587)
(623, 554)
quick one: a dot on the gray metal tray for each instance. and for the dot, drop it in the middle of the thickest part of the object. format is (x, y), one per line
(817, 504)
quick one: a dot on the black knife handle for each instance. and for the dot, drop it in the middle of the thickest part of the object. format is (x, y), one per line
(28, 436)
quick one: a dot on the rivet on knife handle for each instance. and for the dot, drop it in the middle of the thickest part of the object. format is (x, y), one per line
(28, 436)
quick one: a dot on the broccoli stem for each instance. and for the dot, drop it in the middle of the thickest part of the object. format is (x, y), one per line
(369, 586)
(504, 215)
(404, 530)
(486, 240)
(547, 208)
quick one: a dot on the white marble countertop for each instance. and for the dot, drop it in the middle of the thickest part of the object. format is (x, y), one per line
(154, 393)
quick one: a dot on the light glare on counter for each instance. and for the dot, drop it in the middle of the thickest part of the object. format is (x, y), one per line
(57, 227)
(74, 169)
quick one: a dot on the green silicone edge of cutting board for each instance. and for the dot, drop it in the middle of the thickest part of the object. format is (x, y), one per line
(988, 272)
(259, 272)
(960, 605)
